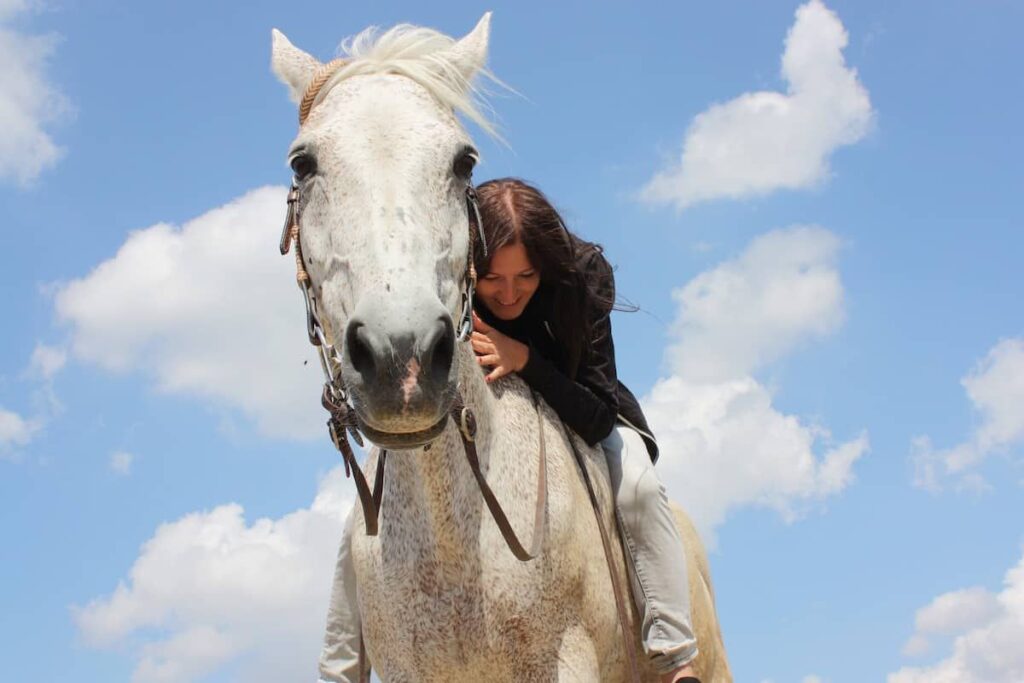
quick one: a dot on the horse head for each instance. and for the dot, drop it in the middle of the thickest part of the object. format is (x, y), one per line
(382, 171)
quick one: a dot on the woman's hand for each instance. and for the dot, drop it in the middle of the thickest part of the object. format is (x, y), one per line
(497, 351)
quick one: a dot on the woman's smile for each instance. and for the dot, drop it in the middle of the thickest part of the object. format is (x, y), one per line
(510, 282)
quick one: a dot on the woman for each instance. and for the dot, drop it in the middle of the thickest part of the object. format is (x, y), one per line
(542, 308)
(543, 301)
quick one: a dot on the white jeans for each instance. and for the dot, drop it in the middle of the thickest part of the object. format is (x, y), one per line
(656, 561)
(654, 549)
(339, 658)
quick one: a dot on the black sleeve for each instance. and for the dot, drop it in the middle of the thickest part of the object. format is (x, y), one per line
(589, 404)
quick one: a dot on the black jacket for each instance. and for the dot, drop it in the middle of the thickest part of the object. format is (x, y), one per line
(595, 399)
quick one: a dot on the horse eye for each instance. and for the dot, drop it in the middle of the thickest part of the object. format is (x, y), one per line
(303, 165)
(464, 163)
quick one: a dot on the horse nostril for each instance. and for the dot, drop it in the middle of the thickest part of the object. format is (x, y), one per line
(439, 351)
(360, 348)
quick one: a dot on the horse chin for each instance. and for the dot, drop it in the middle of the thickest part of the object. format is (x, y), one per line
(404, 440)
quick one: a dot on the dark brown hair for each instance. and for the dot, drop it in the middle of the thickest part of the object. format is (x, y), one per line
(515, 212)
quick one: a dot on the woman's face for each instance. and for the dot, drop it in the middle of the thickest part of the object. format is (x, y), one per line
(510, 284)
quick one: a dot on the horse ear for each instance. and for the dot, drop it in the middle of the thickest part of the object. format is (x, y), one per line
(293, 67)
(469, 54)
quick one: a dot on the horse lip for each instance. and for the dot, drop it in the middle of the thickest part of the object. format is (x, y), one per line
(404, 440)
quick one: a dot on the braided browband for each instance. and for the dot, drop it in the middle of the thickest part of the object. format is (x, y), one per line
(322, 75)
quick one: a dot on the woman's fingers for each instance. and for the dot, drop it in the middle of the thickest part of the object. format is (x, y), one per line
(497, 373)
(483, 347)
(489, 345)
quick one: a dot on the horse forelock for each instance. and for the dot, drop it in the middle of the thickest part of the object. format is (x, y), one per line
(424, 56)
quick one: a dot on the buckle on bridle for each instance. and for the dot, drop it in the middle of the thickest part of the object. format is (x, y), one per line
(467, 423)
(290, 219)
(466, 320)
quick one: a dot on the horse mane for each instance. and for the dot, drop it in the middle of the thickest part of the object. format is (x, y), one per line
(421, 54)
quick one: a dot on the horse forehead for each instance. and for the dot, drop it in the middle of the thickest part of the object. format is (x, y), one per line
(387, 118)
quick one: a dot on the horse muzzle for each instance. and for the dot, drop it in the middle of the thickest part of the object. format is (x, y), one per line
(400, 369)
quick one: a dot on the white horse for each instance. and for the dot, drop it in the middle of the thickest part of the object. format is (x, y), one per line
(382, 164)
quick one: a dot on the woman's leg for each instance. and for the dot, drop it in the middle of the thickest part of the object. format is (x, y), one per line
(339, 659)
(655, 550)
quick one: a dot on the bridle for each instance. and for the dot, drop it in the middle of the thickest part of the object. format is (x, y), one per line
(344, 422)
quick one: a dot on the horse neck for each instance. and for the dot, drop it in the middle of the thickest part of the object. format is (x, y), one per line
(439, 478)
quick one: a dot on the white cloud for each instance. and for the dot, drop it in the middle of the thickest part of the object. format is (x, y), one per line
(995, 388)
(29, 103)
(9, 8)
(209, 309)
(916, 646)
(47, 361)
(726, 445)
(14, 431)
(949, 614)
(17, 430)
(959, 610)
(220, 592)
(987, 630)
(765, 141)
(185, 656)
(121, 462)
(745, 313)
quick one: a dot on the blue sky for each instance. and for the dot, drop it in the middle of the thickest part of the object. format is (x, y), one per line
(831, 344)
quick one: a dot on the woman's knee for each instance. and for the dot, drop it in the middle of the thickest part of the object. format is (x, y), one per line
(637, 489)
(640, 496)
